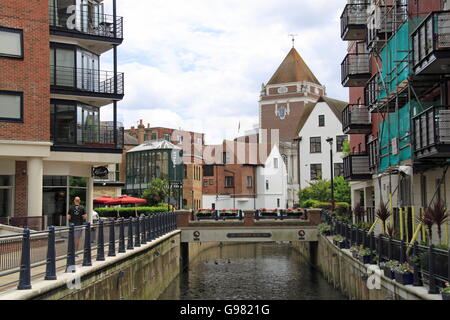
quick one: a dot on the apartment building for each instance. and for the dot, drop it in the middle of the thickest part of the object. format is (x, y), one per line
(397, 70)
(52, 90)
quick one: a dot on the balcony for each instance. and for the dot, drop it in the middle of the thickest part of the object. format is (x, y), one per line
(355, 70)
(87, 82)
(354, 22)
(431, 45)
(87, 138)
(356, 167)
(374, 151)
(85, 22)
(356, 120)
(432, 133)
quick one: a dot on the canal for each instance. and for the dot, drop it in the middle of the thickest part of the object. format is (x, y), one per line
(251, 272)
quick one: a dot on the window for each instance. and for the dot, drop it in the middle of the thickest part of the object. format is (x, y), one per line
(6, 196)
(229, 182)
(211, 182)
(226, 157)
(338, 170)
(205, 183)
(154, 136)
(11, 106)
(340, 142)
(249, 182)
(267, 184)
(11, 43)
(321, 121)
(180, 139)
(315, 145)
(275, 163)
(208, 171)
(278, 203)
(185, 171)
(167, 137)
(316, 171)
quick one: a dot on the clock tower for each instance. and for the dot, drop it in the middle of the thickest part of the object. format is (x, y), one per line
(281, 106)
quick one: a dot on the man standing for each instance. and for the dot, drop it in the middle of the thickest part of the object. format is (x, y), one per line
(77, 215)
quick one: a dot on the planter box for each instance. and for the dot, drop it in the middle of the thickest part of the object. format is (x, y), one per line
(355, 255)
(445, 296)
(342, 245)
(388, 273)
(404, 278)
(365, 259)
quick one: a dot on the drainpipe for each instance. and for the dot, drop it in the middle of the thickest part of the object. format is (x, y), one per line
(299, 140)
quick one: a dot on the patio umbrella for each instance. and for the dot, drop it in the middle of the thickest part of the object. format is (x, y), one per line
(103, 200)
(127, 200)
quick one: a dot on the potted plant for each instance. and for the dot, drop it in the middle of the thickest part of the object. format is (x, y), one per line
(268, 213)
(229, 213)
(388, 268)
(365, 255)
(340, 242)
(203, 213)
(404, 274)
(446, 292)
(355, 251)
(324, 229)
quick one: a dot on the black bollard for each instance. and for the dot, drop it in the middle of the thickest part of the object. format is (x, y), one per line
(433, 288)
(87, 259)
(25, 262)
(137, 233)
(50, 270)
(144, 230)
(147, 228)
(130, 245)
(380, 249)
(101, 242)
(417, 276)
(71, 249)
(122, 236)
(112, 240)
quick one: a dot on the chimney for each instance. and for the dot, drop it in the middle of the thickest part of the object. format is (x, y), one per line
(141, 132)
(148, 125)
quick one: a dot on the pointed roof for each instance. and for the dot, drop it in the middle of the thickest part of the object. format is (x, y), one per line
(293, 69)
(155, 145)
(337, 106)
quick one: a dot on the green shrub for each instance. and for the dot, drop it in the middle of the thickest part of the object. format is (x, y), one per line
(310, 203)
(128, 212)
(323, 205)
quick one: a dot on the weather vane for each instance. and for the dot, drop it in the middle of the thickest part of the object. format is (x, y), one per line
(293, 39)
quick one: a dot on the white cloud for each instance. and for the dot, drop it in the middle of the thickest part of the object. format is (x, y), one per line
(199, 64)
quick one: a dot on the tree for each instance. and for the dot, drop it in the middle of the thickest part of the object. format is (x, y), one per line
(157, 191)
(320, 190)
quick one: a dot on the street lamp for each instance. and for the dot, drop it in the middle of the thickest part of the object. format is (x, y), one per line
(330, 141)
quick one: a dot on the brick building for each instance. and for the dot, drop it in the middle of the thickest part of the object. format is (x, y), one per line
(51, 94)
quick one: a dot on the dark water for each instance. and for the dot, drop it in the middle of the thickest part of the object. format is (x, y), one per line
(251, 272)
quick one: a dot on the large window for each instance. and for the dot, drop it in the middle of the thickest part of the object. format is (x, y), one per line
(208, 171)
(316, 171)
(11, 43)
(11, 106)
(340, 142)
(338, 169)
(315, 145)
(249, 182)
(6, 196)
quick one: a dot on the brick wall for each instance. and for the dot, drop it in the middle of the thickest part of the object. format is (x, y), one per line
(21, 187)
(30, 75)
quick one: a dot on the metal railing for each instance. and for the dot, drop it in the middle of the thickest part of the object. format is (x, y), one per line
(280, 215)
(354, 17)
(42, 254)
(90, 136)
(356, 65)
(356, 117)
(83, 21)
(432, 128)
(85, 79)
(356, 167)
(431, 265)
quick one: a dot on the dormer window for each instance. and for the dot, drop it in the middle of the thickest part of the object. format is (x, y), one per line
(282, 90)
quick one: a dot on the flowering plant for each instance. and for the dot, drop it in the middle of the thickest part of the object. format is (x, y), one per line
(404, 268)
(446, 289)
(339, 238)
(391, 264)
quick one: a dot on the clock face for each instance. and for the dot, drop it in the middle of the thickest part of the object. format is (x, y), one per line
(282, 90)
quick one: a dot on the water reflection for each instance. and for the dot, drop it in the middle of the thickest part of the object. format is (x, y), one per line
(251, 271)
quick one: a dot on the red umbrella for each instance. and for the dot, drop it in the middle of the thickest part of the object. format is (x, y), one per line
(127, 200)
(103, 200)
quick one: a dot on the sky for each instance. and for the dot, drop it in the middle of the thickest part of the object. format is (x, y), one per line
(198, 65)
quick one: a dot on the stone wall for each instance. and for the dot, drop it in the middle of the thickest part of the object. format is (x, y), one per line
(350, 276)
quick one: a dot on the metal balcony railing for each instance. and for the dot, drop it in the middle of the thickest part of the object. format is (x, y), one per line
(88, 136)
(431, 43)
(354, 22)
(355, 70)
(432, 133)
(83, 79)
(374, 152)
(372, 93)
(86, 22)
(356, 119)
(356, 167)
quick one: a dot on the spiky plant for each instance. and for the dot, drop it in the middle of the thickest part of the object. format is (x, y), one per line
(383, 214)
(427, 221)
(359, 212)
(439, 216)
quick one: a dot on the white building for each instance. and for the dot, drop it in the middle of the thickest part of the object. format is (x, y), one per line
(321, 120)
